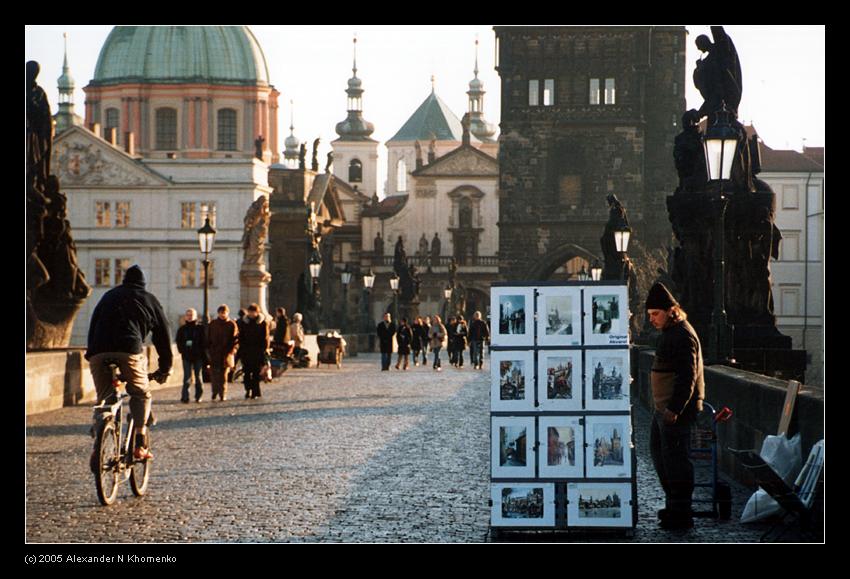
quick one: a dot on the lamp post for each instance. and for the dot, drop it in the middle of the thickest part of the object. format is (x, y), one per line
(345, 276)
(720, 142)
(596, 271)
(206, 239)
(315, 269)
(394, 287)
(447, 293)
(582, 275)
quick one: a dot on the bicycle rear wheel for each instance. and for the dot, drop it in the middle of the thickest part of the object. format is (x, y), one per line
(107, 453)
(140, 471)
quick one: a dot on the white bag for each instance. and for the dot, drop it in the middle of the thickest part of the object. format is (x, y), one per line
(784, 456)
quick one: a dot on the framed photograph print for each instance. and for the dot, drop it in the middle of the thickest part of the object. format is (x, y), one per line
(561, 444)
(559, 380)
(598, 504)
(608, 445)
(512, 381)
(513, 447)
(608, 380)
(606, 310)
(512, 311)
(559, 316)
(523, 505)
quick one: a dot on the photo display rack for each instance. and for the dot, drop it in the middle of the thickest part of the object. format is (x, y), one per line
(562, 439)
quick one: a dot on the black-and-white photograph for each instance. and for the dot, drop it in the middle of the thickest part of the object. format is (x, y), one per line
(607, 311)
(512, 315)
(559, 316)
(522, 504)
(608, 446)
(513, 442)
(512, 381)
(561, 447)
(599, 505)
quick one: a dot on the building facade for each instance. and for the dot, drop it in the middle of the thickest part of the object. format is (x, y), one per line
(167, 143)
(586, 112)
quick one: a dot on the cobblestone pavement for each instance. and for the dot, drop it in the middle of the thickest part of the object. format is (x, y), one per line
(326, 455)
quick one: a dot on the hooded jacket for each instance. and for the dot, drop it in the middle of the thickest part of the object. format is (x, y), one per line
(125, 316)
(678, 383)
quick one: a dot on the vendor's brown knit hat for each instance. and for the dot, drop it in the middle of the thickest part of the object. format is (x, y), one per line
(660, 298)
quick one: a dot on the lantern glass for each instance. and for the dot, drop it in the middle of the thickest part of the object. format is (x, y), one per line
(596, 272)
(621, 240)
(394, 282)
(582, 275)
(315, 270)
(346, 277)
(206, 237)
(368, 280)
(447, 293)
(719, 154)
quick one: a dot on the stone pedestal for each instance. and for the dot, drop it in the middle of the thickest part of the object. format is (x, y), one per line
(51, 322)
(253, 281)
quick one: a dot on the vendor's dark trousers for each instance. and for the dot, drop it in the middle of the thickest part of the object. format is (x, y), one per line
(668, 445)
(252, 380)
(190, 367)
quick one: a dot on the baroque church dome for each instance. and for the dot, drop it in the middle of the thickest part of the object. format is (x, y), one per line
(181, 54)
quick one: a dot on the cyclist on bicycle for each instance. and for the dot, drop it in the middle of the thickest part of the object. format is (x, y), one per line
(120, 323)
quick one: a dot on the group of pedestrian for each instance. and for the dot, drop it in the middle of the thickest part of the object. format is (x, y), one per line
(429, 333)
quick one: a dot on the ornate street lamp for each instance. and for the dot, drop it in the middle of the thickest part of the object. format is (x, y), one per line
(345, 276)
(447, 293)
(394, 286)
(582, 275)
(621, 238)
(206, 239)
(315, 266)
(596, 271)
(720, 142)
(368, 282)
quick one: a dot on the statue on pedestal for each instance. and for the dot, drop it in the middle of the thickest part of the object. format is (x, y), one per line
(256, 231)
(378, 245)
(315, 162)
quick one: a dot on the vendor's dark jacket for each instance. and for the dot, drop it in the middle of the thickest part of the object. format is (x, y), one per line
(385, 336)
(125, 316)
(192, 332)
(678, 383)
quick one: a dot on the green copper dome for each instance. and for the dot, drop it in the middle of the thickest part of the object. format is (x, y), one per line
(181, 54)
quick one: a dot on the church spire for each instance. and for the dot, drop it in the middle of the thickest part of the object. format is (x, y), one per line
(65, 116)
(355, 128)
(478, 126)
(291, 142)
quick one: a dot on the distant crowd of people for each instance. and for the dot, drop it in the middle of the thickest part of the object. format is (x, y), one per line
(429, 333)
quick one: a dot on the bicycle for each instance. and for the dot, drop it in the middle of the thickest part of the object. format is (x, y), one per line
(114, 443)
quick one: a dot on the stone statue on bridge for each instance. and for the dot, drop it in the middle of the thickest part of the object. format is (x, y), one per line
(256, 231)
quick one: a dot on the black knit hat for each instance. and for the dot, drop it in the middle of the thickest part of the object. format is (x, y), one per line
(660, 298)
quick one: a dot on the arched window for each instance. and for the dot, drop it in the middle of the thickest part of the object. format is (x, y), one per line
(401, 176)
(226, 130)
(166, 129)
(355, 171)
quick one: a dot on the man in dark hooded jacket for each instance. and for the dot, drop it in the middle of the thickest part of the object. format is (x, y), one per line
(119, 325)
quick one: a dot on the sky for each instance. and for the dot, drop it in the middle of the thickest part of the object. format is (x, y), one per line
(782, 69)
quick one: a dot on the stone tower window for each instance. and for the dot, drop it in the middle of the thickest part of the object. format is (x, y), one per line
(355, 171)
(533, 93)
(610, 92)
(166, 129)
(548, 92)
(227, 130)
(594, 91)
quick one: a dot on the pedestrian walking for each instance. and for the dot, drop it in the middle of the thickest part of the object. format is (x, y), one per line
(416, 344)
(438, 335)
(191, 343)
(240, 325)
(281, 328)
(678, 390)
(386, 330)
(404, 339)
(479, 333)
(296, 333)
(223, 343)
(426, 342)
(451, 345)
(254, 343)
(119, 325)
(461, 337)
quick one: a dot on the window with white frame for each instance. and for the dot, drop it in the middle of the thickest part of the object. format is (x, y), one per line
(548, 92)
(121, 265)
(533, 93)
(789, 247)
(187, 215)
(122, 214)
(102, 214)
(187, 272)
(595, 97)
(101, 273)
(207, 210)
(789, 300)
(790, 197)
(610, 92)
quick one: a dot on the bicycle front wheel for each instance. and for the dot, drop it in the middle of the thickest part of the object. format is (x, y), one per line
(107, 453)
(140, 471)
